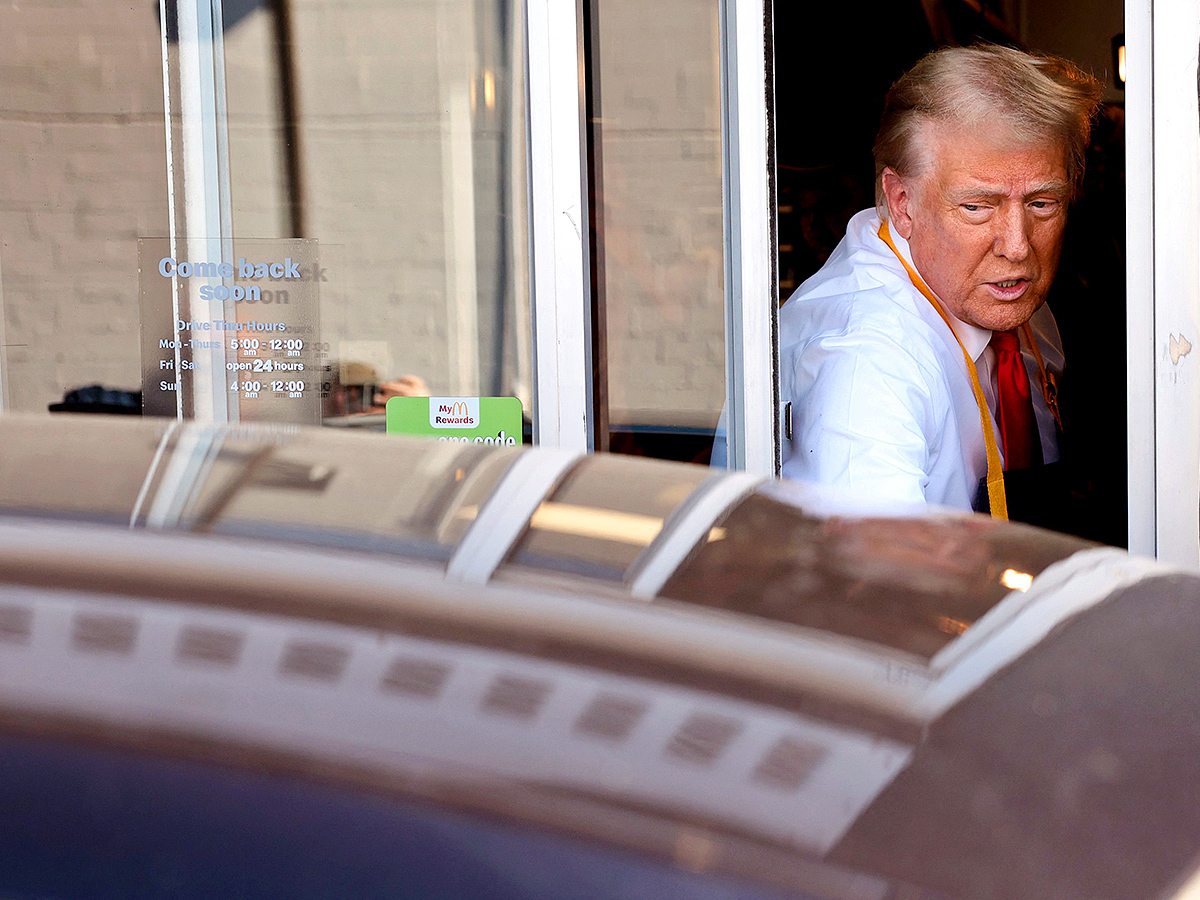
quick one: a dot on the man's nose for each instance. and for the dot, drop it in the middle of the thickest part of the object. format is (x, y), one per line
(1012, 234)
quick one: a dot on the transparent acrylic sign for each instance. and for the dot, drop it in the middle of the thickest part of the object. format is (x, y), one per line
(478, 420)
(235, 332)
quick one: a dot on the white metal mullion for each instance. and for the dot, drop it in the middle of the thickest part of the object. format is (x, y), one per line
(225, 198)
(163, 443)
(3, 350)
(173, 223)
(751, 314)
(205, 186)
(1139, 240)
(503, 518)
(697, 521)
(558, 218)
(194, 447)
(1175, 30)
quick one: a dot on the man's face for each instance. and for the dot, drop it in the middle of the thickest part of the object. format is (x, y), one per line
(984, 223)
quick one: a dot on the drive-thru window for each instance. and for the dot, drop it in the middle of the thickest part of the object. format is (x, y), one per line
(293, 210)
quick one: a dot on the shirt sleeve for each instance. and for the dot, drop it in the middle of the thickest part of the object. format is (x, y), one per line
(862, 417)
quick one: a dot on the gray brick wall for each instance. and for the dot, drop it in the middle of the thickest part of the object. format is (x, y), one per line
(660, 105)
(82, 174)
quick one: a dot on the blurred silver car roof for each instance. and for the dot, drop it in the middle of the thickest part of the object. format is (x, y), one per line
(480, 623)
(874, 607)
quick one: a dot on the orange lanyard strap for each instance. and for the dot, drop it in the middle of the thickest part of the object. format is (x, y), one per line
(997, 500)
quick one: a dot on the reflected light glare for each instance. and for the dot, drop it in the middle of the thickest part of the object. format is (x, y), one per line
(1016, 581)
(1190, 889)
(489, 90)
(950, 625)
(605, 524)
(696, 851)
(1121, 63)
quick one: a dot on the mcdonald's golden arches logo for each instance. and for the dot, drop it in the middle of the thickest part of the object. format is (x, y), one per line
(454, 412)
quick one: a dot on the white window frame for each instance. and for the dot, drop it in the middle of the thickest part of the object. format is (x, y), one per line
(1163, 172)
(558, 204)
(1140, 286)
(559, 265)
(558, 214)
(559, 275)
(203, 219)
(751, 281)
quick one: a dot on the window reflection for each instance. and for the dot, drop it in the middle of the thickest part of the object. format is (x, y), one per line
(43, 474)
(344, 489)
(410, 496)
(604, 515)
(912, 584)
(82, 176)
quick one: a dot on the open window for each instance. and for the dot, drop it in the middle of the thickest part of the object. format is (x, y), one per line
(833, 65)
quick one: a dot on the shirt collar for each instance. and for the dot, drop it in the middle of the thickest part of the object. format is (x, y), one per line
(973, 338)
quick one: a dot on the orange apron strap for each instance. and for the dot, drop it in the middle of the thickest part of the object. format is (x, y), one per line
(997, 499)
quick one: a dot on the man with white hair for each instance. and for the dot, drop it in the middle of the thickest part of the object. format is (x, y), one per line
(919, 362)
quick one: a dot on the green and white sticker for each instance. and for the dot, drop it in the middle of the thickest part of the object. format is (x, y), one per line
(472, 420)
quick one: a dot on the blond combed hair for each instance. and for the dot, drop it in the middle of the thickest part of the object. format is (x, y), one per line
(1033, 98)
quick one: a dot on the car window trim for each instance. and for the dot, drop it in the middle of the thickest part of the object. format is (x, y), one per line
(674, 544)
(504, 516)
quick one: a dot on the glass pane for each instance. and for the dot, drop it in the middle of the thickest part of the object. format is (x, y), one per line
(391, 132)
(658, 251)
(604, 514)
(82, 176)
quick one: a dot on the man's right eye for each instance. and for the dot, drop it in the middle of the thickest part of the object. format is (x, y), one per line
(977, 212)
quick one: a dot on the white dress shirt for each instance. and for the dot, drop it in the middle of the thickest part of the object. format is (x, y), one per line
(882, 403)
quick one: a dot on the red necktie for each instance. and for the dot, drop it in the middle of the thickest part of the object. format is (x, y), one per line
(1018, 427)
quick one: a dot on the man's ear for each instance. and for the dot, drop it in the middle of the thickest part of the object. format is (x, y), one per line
(899, 196)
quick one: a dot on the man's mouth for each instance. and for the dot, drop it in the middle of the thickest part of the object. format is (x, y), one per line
(1009, 288)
